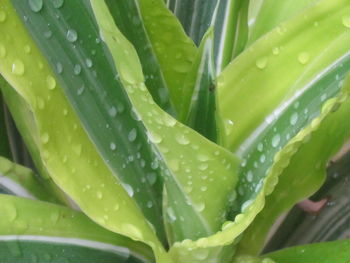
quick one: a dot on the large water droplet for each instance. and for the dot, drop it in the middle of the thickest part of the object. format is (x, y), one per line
(261, 63)
(249, 176)
(51, 82)
(112, 146)
(276, 140)
(154, 137)
(294, 118)
(77, 69)
(132, 135)
(199, 207)
(45, 138)
(35, 5)
(171, 214)
(18, 67)
(59, 67)
(72, 35)
(182, 139)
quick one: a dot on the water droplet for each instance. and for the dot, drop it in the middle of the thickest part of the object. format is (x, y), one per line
(57, 3)
(171, 214)
(99, 194)
(59, 68)
(262, 158)
(154, 137)
(35, 5)
(169, 121)
(204, 188)
(48, 34)
(202, 157)
(303, 57)
(112, 146)
(128, 188)
(88, 62)
(249, 176)
(276, 51)
(18, 67)
(80, 90)
(261, 63)
(182, 139)
(132, 135)
(346, 21)
(2, 51)
(2, 16)
(51, 82)
(276, 140)
(112, 111)
(45, 138)
(203, 166)
(72, 35)
(246, 204)
(27, 49)
(149, 204)
(199, 207)
(260, 147)
(294, 118)
(77, 69)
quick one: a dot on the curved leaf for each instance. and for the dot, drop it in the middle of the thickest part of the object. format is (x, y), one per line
(21, 181)
(26, 224)
(272, 13)
(174, 49)
(189, 185)
(335, 252)
(67, 152)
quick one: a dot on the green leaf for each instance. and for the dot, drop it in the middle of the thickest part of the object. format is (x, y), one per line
(24, 120)
(21, 181)
(106, 114)
(335, 252)
(4, 145)
(174, 50)
(194, 15)
(128, 18)
(27, 225)
(199, 94)
(189, 185)
(271, 13)
(67, 152)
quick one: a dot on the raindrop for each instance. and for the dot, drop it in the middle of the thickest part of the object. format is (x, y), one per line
(199, 207)
(171, 214)
(203, 166)
(59, 67)
(128, 188)
(35, 5)
(112, 146)
(112, 111)
(77, 69)
(80, 90)
(261, 63)
(99, 195)
(72, 35)
(88, 63)
(303, 57)
(155, 138)
(294, 118)
(260, 147)
(262, 158)
(182, 139)
(27, 49)
(18, 67)
(149, 204)
(51, 82)
(45, 138)
(48, 34)
(276, 51)
(132, 135)
(249, 176)
(276, 140)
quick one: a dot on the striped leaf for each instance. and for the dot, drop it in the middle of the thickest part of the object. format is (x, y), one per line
(33, 230)
(67, 152)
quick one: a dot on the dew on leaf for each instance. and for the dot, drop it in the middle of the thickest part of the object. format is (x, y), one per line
(35, 5)
(18, 67)
(72, 35)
